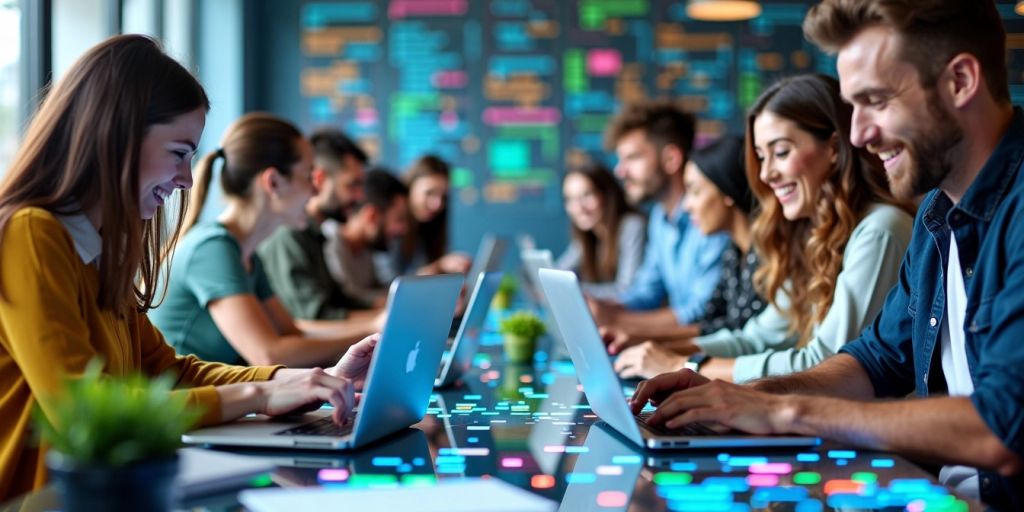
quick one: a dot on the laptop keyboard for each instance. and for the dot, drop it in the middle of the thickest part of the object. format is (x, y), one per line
(321, 427)
(690, 429)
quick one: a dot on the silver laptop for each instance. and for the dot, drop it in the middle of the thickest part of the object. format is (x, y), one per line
(604, 391)
(459, 358)
(398, 384)
(489, 257)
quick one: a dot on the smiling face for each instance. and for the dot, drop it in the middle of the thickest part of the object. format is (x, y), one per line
(907, 126)
(428, 196)
(165, 159)
(793, 163)
(710, 210)
(583, 203)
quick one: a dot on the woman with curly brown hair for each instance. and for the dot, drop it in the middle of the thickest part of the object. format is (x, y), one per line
(829, 233)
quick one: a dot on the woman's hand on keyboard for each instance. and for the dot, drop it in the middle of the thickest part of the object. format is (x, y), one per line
(308, 390)
(356, 361)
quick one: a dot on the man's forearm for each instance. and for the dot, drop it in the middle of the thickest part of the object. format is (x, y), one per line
(946, 430)
(839, 376)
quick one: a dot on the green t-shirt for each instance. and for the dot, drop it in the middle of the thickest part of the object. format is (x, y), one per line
(207, 266)
(294, 262)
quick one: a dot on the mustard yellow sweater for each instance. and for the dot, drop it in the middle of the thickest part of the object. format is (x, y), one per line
(50, 325)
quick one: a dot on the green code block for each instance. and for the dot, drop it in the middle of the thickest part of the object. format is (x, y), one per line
(750, 89)
(419, 480)
(575, 71)
(944, 503)
(263, 480)
(672, 478)
(370, 480)
(505, 154)
(462, 177)
(807, 478)
(865, 477)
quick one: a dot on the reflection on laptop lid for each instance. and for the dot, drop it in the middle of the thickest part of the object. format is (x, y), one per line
(206, 472)
(549, 428)
(534, 260)
(609, 490)
(398, 383)
(459, 359)
(602, 386)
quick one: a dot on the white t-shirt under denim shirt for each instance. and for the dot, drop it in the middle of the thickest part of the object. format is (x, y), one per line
(962, 479)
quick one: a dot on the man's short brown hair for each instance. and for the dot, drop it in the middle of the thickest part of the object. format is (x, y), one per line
(931, 32)
(662, 122)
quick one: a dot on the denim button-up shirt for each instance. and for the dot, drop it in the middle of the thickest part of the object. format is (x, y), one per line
(901, 351)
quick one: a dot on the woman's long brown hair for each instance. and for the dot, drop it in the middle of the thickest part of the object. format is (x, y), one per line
(600, 262)
(803, 258)
(82, 149)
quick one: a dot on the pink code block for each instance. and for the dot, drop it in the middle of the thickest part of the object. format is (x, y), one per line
(449, 79)
(405, 8)
(496, 116)
(512, 462)
(366, 117)
(763, 480)
(449, 120)
(612, 499)
(604, 62)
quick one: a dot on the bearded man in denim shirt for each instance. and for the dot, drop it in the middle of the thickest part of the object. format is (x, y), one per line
(928, 82)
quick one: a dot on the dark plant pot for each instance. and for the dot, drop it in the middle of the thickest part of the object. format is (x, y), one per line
(147, 485)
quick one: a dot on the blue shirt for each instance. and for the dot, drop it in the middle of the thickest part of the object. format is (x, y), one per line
(680, 265)
(900, 350)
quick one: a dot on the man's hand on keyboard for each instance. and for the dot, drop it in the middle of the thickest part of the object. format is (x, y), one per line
(659, 388)
(732, 405)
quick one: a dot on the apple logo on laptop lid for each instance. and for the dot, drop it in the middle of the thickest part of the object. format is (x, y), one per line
(410, 363)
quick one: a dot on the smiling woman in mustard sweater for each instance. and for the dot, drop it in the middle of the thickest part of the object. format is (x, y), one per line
(81, 231)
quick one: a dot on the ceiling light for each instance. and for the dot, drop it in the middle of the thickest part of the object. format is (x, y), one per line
(734, 10)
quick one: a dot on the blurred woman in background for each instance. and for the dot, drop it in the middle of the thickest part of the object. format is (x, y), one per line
(424, 250)
(608, 234)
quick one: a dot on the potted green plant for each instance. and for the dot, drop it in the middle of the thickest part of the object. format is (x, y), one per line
(113, 440)
(521, 331)
(503, 295)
